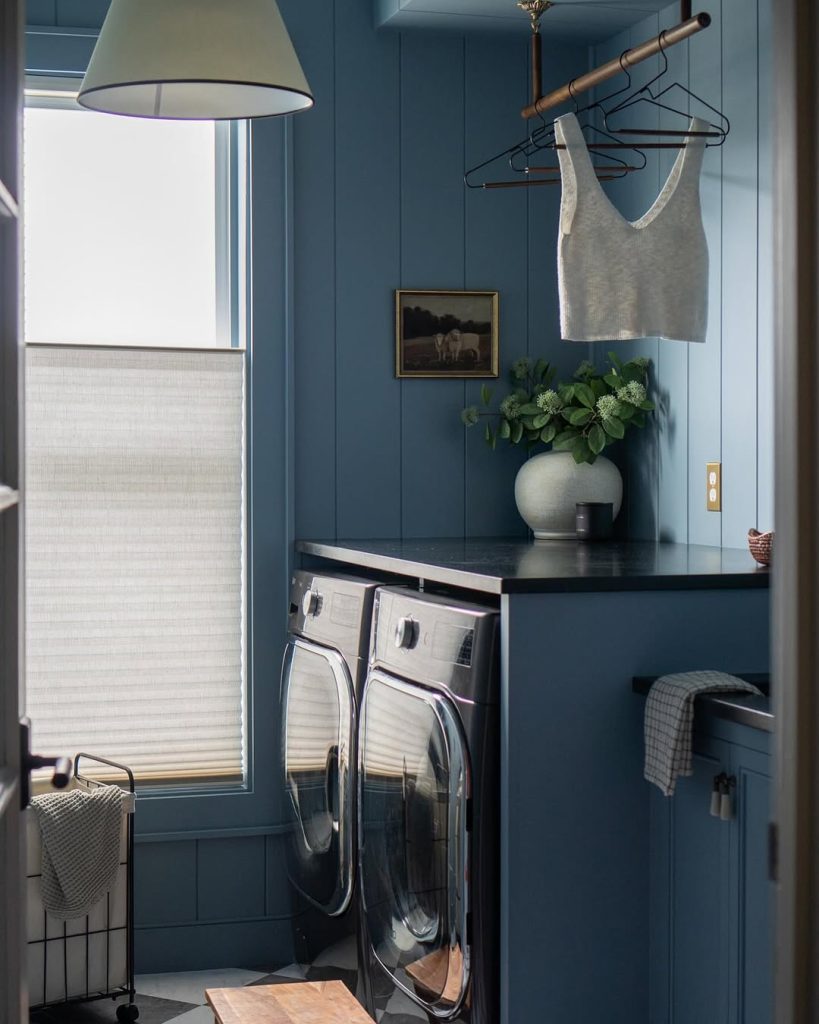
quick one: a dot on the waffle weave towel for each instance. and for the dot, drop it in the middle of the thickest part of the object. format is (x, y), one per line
(81, 838)
(669, 722)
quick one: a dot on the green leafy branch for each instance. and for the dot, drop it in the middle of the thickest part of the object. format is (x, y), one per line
(584, 416)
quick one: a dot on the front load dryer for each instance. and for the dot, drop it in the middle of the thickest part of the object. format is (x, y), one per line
(323, 672)
(428, 810)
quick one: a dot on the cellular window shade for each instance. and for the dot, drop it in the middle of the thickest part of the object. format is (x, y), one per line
(134, 558)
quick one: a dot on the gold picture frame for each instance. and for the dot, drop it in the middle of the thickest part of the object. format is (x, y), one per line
(446, 334)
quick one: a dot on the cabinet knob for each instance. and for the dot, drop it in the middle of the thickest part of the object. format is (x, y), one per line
(310, 603)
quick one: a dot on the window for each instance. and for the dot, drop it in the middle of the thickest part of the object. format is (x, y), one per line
(135, 504)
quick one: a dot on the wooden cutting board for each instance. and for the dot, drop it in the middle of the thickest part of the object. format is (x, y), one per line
(303, 1002)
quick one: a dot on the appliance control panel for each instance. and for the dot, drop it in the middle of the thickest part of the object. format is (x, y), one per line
(333, 610)
(429, 638)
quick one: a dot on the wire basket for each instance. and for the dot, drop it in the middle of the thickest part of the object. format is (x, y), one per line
(90, 957)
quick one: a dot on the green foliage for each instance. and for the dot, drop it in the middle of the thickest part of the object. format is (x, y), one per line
(582, 416)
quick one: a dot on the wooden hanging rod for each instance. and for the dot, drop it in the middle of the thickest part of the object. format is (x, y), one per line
(650, 48)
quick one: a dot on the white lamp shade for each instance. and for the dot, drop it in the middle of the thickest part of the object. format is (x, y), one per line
(195, 59)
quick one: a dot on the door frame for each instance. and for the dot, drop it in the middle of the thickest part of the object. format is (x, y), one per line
(796, 571)
(13, 988)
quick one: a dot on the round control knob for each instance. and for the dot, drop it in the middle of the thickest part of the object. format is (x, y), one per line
(310, 603)
(405, 633)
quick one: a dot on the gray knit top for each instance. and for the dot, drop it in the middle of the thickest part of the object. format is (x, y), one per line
(622, 279)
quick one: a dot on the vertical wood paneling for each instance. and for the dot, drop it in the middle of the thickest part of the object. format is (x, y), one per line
(496, 258)
(432, 256)
(633, 195)
(380, 203)
(671, 371)
(739, 270)
(367, 251)
(715, 400)
(765, 276)
(314, 405)
(642, 454)
(705, 361)
(543, 218)
(609, 50)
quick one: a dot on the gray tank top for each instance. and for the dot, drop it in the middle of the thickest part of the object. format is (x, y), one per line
(623, 279)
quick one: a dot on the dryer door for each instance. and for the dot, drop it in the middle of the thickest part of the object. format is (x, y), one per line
(318, 711)
(413, 800)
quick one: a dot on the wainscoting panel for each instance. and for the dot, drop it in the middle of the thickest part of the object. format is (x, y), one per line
(165, 883)
(212, 902)
(277, 897)
(230, 879)
(248, 944)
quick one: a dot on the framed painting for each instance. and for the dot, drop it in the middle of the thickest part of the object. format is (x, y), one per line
(446, 334)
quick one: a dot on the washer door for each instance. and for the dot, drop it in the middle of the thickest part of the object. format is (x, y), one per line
(319, 725)
(413, 799)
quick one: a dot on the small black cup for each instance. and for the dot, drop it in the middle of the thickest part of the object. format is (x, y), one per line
(594, 520)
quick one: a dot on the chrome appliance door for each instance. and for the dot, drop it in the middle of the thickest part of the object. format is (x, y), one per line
(414, 787)
(318, 711)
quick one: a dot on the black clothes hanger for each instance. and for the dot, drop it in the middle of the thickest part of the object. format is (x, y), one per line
(716, 130)
(519, 158)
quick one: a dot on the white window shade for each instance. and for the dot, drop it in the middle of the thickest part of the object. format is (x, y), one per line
(134, 558)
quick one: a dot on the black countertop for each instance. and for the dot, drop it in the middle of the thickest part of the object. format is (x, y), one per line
(503, 566)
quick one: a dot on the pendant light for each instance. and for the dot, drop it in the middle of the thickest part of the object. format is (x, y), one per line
(195, 59)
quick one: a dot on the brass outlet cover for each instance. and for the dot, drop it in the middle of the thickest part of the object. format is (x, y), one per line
(713, 486)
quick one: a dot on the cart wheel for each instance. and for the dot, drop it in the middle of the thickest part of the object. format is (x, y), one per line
(127, 1013)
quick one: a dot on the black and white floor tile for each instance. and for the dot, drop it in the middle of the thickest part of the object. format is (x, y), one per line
(174, 997)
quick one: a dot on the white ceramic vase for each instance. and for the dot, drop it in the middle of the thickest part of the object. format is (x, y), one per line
(548, 486)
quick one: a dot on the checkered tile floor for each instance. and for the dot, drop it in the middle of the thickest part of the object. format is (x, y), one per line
(174, 997)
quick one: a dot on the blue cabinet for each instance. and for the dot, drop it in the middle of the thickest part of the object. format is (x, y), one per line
(711, 950)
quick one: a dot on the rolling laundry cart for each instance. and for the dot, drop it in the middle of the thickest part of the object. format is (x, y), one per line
(91, 957)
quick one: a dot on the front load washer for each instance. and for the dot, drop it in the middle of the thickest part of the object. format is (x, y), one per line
(323, 672)
(428, 810)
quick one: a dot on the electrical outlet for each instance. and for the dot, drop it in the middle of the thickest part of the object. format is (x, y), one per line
(713, 492)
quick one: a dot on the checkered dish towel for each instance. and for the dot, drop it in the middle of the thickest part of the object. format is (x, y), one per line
(81, 837)
(670, 719)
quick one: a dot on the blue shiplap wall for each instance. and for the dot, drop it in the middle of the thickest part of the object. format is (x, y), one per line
(379, 204)
(716, 399)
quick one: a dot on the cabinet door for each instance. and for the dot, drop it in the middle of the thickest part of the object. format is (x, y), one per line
(752, 912)
(690, 899)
